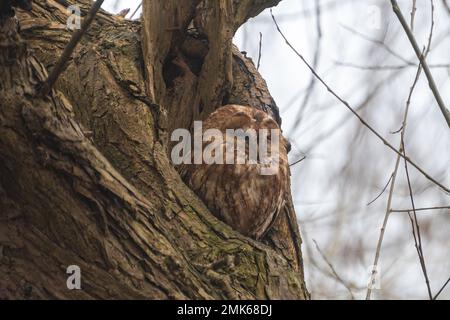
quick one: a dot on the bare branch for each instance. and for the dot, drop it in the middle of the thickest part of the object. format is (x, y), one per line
(316, 59)
(333, 270)
(135, 11)
(416, 230)
(413, 14)
(442, 289)
(260, 50)
(67, 53)
(421, 209)
(298, 161)
(423, 61)
(382, 191)
(349, 107)
(388, 67)
(394, 174)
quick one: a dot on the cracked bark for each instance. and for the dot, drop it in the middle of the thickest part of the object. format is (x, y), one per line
(85, 177)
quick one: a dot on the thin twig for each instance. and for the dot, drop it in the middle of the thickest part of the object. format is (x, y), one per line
(260, 50)
(413, 14)
(392, 186)
(382, 191)
(383, 228)
(349, 107)
(442, 289)
(423, 61)
(414, 221)
(297, 162)
(399, 156)
(421, 209)
(416, 231)
(333, 270)
(312, 82)
(339, 125)
(68, 50)
(135, 11)
(378, 42)
(388, 67)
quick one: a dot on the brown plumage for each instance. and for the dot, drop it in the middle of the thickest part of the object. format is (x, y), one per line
(239, 194)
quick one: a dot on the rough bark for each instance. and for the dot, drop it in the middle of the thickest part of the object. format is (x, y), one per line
(85, 177)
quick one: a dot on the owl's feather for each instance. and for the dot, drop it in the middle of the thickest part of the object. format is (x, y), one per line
(238, 194)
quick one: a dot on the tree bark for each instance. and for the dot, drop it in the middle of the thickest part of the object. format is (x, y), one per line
(85, 176)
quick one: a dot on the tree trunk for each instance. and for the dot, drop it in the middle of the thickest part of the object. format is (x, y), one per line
(85, 176)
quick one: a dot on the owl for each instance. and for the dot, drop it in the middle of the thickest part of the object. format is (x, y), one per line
(247, 189)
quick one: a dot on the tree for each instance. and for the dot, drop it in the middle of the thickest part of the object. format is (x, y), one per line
(85, 175)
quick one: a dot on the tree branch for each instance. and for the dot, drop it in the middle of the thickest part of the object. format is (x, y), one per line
(364, 122)
(67, 53)
(431, 82)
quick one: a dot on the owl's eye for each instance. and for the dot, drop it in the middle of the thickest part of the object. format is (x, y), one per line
(240, 114)
(259, 116)
(238, 120)
(269, 124)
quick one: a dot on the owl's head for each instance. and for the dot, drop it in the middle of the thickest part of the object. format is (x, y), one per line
(242, 117)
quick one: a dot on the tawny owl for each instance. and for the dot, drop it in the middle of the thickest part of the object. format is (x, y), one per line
(249, 194)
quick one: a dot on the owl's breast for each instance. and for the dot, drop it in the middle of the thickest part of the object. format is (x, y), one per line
(249, 192)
